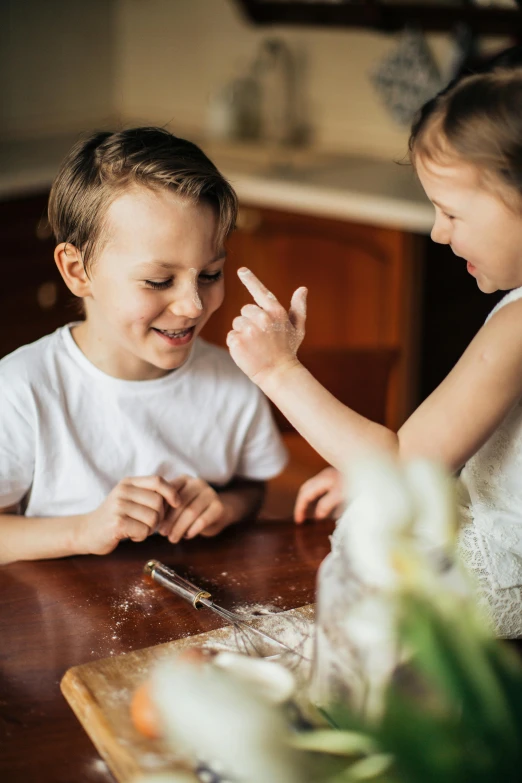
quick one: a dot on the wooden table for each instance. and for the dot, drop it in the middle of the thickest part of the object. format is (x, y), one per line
(58, 613)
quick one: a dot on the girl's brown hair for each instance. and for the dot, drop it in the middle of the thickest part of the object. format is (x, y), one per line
(478, 121)
(103, 165)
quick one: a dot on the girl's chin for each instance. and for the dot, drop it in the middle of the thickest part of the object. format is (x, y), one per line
(486, 286)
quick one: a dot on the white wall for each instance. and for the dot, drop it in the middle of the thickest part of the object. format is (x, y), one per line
(56, 66)
(173, 54)
(70, 65)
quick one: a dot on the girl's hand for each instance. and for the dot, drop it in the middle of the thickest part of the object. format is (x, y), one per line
(200, 511)
(133, 509)
(320, 497)
(265, 337)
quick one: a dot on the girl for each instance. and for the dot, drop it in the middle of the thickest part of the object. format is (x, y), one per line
(467, 151)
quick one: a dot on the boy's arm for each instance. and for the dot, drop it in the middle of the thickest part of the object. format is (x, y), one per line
(205, 510)
(33, 538)
(133, 509)
(241, 498)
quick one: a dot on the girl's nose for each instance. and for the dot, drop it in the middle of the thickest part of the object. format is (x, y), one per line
(440, 232)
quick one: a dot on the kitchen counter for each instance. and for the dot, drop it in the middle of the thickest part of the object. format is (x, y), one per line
(363, 190)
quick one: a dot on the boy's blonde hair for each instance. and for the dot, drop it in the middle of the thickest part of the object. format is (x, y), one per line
(103, 165)
(477, 121)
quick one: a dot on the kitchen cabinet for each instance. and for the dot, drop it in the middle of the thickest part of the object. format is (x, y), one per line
(34, 300)
(362, 330)
(363, 282)
(490, 19)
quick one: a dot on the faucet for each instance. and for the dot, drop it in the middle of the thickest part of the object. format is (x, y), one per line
(275, 58)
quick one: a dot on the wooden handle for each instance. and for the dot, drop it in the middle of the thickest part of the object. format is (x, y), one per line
(175, 583)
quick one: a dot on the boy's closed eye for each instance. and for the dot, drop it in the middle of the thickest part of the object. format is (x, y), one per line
(207, 278)
(158, 284)
(204, 278)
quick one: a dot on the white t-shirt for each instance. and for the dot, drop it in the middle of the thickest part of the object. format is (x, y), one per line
(69, 432)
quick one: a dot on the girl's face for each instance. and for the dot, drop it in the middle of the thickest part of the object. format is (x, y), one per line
(154, 284)
(475, 222)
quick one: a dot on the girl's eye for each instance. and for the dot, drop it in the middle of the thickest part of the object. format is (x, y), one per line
(158, 284)
(208, 279)
(450, 217)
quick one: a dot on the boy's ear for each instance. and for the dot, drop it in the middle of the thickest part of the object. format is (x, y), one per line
(70, 264)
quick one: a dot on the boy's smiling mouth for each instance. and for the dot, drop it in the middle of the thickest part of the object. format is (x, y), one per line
(176, 337)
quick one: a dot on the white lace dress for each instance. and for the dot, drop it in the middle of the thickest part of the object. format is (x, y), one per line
(491, 518)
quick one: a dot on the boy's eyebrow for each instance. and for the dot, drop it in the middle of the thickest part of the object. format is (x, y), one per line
(169, 266)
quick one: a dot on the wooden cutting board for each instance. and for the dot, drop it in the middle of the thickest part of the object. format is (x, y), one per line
(100, 694)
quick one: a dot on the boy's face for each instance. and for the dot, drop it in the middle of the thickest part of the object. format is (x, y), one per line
(155, 283)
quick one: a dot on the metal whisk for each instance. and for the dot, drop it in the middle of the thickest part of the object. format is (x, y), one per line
(249, 639)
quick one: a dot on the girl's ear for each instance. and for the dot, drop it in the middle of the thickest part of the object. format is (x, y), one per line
(70, 264)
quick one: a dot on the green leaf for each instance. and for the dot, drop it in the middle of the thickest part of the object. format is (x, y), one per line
(426, 747)
(463, 724)
(371, 767)
(342, 743)
(456, 661)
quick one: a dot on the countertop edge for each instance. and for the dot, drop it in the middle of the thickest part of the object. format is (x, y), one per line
(277, 193)
(325, 202)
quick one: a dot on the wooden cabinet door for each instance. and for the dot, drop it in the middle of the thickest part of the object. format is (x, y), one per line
(363, 286)
(34, 300)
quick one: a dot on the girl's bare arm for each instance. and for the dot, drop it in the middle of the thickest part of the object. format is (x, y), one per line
(449, 426)
(471, 402)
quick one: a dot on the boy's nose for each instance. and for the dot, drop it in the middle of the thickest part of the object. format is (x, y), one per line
(187, 303)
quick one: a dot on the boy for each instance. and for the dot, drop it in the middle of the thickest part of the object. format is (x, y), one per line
(127, 423)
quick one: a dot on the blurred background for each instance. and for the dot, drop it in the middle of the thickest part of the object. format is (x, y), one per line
(305, 107)
(76, 64)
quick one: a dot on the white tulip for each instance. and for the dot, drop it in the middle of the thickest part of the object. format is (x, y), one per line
(370, 626)
(433, 493)
(378, 522)
(397, 534)
(271, 680)
(167, 777)
(217, 718)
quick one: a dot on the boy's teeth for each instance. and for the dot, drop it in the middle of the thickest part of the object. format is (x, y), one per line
(177, 333)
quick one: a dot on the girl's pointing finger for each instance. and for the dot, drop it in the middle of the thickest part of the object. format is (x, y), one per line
(260, 293)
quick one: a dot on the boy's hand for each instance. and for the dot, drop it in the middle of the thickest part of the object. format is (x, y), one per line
(265, 335)
(320, 497)
(200, 511)
(133, 509)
